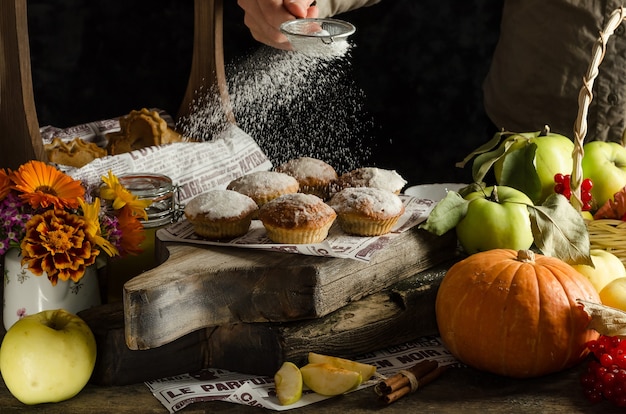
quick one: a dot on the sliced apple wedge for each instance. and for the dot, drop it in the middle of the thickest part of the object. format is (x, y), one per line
(366, 370)
(327, 379)
(288, 381)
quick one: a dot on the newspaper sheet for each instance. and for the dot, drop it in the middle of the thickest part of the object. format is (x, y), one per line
(337, 244)
(210, 384)
(194, 167)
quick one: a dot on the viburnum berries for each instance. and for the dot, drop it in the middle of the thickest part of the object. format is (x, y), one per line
(605, 377)
(562, 186)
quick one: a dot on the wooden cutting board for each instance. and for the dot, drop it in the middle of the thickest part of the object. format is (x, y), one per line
(403, 312)
(199, 287)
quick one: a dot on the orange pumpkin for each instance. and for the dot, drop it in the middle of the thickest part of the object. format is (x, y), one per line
(514, 313)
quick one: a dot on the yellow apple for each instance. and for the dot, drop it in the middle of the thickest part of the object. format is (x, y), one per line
(614, 294)
(326, 379)
(47, 357)
(288, 381)
(366, 370)
(607, 267)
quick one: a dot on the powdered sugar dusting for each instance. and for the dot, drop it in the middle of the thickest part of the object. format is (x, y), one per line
(218, 204)
(306, 167)
(367, 199)
(263, 181)
(374, 177)
(293, 104)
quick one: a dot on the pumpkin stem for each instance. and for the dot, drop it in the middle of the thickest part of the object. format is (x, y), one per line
(526, 256)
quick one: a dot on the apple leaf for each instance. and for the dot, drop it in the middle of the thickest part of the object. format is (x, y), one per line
(446, 214)
(483, 149)
(560, 231)
(483, 163)
(605, 319)
(518, 171)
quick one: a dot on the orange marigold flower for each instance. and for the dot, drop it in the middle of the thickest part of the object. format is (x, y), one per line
(91, 214)
(5, 184)
(43, 185)
(56, 242)
(120, 197)
(133, 233)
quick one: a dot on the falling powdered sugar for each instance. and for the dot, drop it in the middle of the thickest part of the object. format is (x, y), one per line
(293, 104)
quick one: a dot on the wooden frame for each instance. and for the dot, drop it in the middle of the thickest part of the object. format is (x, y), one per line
(20, 139)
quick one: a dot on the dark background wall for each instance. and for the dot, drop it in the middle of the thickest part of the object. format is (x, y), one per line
(419, 64)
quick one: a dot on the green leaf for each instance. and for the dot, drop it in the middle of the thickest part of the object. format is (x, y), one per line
(560, 231)
(518, 171)
(483, 163)
(446, 214)
(494, 142)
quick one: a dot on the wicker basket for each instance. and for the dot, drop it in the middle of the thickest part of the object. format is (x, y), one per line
(604, 234)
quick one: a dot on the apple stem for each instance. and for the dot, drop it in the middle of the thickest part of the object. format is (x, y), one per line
(545, 131)
(494, 195)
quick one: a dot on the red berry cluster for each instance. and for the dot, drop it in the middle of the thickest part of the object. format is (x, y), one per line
(562, 186)
(605, 377)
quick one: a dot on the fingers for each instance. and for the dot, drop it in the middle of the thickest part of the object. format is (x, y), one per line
(299, 8)
(264, 17)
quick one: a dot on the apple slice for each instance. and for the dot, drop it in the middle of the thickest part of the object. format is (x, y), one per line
(366, 370)
(288, 381)
(326, 379)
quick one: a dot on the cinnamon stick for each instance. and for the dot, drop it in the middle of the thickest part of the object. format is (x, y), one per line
(400, 385)
(401, 380)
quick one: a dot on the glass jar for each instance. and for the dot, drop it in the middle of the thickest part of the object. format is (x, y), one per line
(146, 186)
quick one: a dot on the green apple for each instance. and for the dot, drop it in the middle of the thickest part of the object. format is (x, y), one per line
(326, 379)
(531, 161)
(47, 357)
(367, 371)
(606, 267)
(496, 218)
(605, 164)
(288, 381)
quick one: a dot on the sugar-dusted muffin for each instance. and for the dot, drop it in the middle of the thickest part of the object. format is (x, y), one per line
(221, 214)
(297, 219)
(264, 186)
(374, 177)
(366, 211)
(314, 175)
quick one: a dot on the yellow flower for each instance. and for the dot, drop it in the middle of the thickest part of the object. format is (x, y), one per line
(56, 242)
(91, 213)
(121, 197)
(43, 185)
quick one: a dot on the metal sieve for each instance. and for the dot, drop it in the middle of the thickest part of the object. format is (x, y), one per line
(318, 36)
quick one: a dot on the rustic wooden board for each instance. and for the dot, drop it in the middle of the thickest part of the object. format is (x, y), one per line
(198, 287)
(118, 365)
(402, 312)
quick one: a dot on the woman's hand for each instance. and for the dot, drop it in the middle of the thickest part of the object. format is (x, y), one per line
(264, 17)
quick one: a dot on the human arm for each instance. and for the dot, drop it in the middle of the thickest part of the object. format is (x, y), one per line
(264, 17)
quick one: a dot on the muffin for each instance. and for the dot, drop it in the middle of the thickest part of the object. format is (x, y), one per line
(314, 176)
(220, 214)
(264, 186)
(366, 211)
(373, 177)
(297, 219)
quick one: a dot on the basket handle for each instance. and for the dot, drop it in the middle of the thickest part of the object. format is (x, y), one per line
(584, 100)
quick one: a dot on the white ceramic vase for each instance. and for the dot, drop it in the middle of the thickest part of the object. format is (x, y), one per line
(26, 294)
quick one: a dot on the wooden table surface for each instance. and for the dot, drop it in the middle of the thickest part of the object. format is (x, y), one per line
(459, 390)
